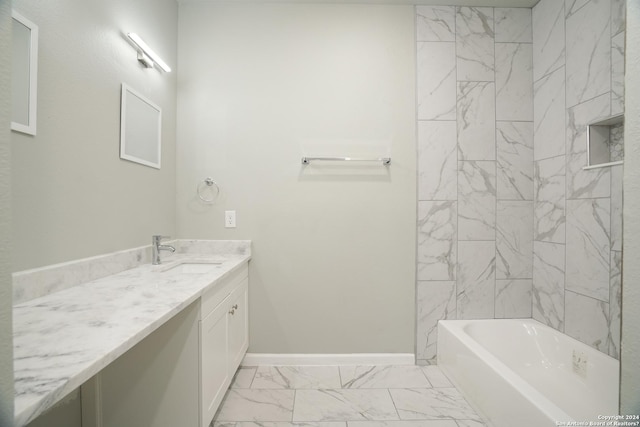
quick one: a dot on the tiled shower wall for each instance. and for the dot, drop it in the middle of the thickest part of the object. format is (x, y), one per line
(578, 69)
(475, 150)
(509, 224)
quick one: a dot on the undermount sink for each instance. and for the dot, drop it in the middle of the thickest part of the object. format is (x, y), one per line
(196, 267)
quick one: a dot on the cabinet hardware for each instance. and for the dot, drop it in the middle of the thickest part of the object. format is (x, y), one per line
(232, 311)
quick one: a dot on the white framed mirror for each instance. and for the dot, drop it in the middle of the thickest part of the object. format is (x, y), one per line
(140, 129)
(24, 74)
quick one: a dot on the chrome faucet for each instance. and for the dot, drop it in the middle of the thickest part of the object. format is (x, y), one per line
(156, 247)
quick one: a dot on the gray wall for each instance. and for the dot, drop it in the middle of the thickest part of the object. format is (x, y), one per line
(578, 70)
(333, 245)
(156, 383)
(6, 342)
(67, 413)
(475, 154)
(72, 195)
(630, 358)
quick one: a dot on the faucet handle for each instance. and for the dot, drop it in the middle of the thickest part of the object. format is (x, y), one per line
(158, 237)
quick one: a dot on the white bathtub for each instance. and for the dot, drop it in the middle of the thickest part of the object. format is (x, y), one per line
(519, 372)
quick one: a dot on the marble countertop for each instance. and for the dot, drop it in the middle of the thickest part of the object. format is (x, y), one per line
(63, 339)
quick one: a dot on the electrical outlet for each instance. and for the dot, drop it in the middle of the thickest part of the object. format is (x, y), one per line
(580, 363)
(230, 219)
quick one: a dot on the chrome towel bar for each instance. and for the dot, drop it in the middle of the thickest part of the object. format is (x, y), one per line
(385, 160)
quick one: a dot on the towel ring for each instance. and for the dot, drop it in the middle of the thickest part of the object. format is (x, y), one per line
(209, 183)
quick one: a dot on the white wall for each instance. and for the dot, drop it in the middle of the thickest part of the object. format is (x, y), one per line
(6, 341)
(72, 195)
(630, 358)
(334, 261)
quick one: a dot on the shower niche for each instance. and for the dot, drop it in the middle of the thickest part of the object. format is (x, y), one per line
(605, 142)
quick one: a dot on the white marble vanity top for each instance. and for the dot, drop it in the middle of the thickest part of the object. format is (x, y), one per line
(63, 339)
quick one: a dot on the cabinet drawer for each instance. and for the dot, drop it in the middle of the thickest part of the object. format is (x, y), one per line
(215, 296)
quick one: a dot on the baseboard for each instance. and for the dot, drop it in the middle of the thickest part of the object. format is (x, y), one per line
(266, 359)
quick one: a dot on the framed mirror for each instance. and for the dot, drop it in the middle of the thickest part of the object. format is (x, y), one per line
(24, 74)
(140, 124)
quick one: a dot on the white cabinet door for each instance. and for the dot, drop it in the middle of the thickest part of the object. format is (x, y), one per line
(224, 339)
(215, 377)
(238, 326)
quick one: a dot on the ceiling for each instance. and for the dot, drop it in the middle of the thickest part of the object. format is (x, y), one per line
(489, 3)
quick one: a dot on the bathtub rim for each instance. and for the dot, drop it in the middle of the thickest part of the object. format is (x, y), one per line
(520, 385)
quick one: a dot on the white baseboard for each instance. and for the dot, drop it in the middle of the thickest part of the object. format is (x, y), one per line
(266, 359)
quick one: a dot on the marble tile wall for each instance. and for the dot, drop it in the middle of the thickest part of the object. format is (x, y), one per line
(510, 225)
(578, 69)
(475, 149)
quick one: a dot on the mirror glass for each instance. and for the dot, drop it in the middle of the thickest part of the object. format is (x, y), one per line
(140, 124)
(24, 72)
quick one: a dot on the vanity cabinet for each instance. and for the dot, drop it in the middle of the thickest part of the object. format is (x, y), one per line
(238, 327)
(224, 338)
(214, 374)
(161, 353)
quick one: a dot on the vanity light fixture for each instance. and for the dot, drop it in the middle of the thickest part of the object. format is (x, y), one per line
(146, 55)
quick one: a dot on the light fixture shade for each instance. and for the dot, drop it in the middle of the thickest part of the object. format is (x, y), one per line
(146, 50)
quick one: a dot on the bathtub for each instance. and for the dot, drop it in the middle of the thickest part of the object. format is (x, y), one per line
(519, 372)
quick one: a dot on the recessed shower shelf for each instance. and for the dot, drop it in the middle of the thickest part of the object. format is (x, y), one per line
(605, 142)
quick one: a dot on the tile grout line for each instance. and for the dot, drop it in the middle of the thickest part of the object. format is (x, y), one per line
(457, 228)
(255, 373)
(425, 375)
(394, 403)
(495, 167)
(293, 407)
(418, 187)
(564, 275)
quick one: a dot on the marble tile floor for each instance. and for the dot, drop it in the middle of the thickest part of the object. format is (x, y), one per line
(344, 396)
